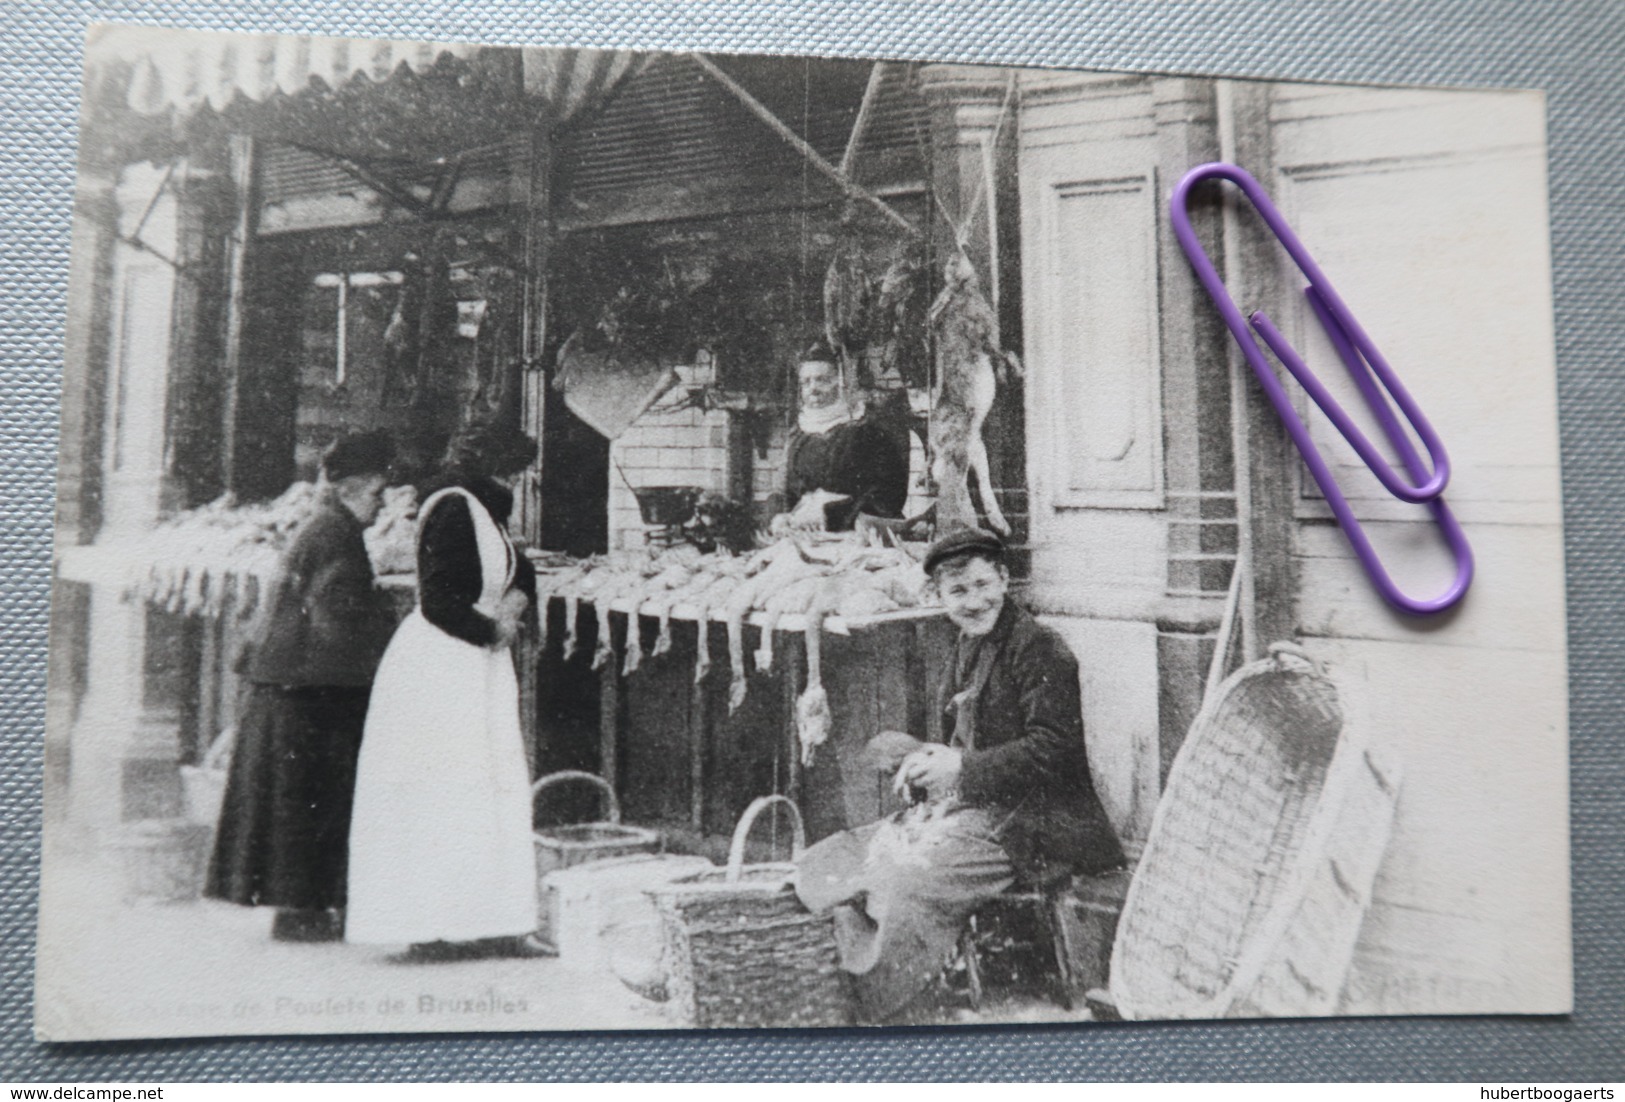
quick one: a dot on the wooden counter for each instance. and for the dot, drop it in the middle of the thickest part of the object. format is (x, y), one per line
(679, 760)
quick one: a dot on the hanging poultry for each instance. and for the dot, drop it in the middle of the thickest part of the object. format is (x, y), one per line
(848, 294)
(969, 364)
(777, 567)
(868, 582)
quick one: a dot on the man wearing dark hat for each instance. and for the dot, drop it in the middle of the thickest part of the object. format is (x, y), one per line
(1006, 798)
(841, 459)
(285, 823)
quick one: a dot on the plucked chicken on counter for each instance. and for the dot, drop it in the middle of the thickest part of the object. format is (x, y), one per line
(196, 561)
(813, 578)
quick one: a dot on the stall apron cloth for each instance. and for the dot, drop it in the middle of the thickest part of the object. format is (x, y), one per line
(440, 844)
(902, 889)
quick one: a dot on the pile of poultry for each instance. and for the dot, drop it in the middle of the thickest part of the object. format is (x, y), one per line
(392, 541)
(814, 578)
(199, 561)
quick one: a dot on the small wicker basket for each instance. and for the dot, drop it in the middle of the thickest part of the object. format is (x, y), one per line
(1273, 821)
(204, 785)
(563, 847)
(741, 950)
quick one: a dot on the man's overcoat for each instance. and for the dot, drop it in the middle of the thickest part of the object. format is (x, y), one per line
(285, 820)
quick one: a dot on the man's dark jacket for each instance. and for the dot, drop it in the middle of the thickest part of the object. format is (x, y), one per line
(1028, 762)
(328, 623)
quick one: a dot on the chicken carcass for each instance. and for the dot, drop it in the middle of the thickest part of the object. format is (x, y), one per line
(794, 597)
(714, 595)
(581, 584)
(867, 582)
(777, 567)
(813, 716)
(617, 586)
(707, 572)
(192, 562)
(662, 593)
(969, 362)
(595, 574)
(674, 576)
(550, 583)
(634, 642)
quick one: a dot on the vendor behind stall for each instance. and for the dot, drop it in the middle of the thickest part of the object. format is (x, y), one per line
(842, 461)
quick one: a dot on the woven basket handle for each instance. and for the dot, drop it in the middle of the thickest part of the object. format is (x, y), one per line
(1284, 652)
(736, 850)
(611, 804)
(219, 752)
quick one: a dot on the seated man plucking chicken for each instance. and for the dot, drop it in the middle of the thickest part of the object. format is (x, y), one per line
(1006, 798)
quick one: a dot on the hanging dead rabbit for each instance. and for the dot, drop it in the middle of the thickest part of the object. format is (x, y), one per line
(970, 366)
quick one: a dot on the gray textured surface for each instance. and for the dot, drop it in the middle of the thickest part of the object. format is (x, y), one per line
(1576, 51)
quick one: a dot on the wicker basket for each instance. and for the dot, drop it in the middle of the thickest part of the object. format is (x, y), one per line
(1268, 802)
(204, 785)
(563, 847)
(741, 950)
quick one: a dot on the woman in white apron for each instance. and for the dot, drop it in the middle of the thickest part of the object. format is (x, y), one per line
(440, 842)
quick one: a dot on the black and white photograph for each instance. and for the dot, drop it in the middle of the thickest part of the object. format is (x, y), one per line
(587, 539)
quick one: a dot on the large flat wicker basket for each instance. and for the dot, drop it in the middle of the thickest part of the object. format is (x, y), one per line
(741, 950)
(1248, 898)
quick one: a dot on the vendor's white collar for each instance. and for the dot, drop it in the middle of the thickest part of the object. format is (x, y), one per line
(815, 422)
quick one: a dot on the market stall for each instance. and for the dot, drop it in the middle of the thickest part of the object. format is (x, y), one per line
(621, 256)
(722, 677)
(709, 678)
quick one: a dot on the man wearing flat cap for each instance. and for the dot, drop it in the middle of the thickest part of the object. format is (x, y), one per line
(285, 821)
(1007, 797)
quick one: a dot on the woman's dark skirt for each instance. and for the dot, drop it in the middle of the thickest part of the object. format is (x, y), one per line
(284, 833)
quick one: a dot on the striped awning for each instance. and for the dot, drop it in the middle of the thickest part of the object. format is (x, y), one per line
(184, 70)
(163, 69)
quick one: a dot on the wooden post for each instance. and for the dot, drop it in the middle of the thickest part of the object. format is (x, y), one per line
(609, 715)
(1267, 465)
(698, 719)
(531, 194)
(790, 741)
(1198, 463)
(243, 178)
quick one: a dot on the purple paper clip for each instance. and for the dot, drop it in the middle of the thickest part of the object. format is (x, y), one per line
(1363, 361)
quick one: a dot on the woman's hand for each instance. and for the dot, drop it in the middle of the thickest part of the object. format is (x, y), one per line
(515, 602)
(509, 615)
(934, 767)
(811, 513)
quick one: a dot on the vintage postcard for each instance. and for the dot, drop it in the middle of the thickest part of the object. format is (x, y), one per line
(572, 539)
